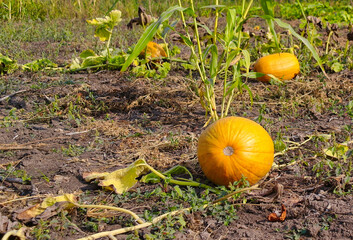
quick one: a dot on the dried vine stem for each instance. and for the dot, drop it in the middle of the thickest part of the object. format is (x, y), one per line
(123, 210)
(161, 217)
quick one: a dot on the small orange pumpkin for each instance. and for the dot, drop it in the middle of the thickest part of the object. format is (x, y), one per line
(154, 50)
(233, 147)
(284, 66)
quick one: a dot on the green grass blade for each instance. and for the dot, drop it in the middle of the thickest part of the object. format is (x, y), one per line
(304, 40)
(148, 35)
(268, 7)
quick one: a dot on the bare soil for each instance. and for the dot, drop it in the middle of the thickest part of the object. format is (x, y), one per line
(68, 124)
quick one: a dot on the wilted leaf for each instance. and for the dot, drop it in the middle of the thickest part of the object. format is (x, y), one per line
(338, 151)
(276, 217)
(120, 180)
(33, 211)
(6, 224)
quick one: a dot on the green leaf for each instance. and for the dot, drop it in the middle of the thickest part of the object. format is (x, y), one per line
(214, 61)
(38, 65)
(253, 75)
(268, 7)
(75, 64)
(115, 15)
(87, 53)
(230, 26)
(7, 65)
(104, 26)
(186, 40)
(93, 61)
(337, 67)
(178, 190)
(176, 170)
(148, 35)
(246, 55)
(102, 33)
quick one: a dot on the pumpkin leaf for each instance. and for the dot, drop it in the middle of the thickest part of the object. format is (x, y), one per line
(93, 61)
(176, 170)
(339, 151)
(7, 65)
(87, 53)
(104, 26)
(120, 180)
(149, 33)
(38, 65)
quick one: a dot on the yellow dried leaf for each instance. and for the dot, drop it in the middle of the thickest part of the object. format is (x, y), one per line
(33, 211)
(122, 180)
(338, 151)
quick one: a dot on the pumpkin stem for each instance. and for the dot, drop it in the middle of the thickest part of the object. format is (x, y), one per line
(228, 151)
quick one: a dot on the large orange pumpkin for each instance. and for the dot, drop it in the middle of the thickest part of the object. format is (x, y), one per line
(233, 147)
(284, 66)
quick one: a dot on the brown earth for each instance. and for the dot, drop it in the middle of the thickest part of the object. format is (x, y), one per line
(68, 124)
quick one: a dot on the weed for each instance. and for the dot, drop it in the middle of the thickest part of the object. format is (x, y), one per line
(73, 150)
(11, 171)
(41, 232)
(10, 119)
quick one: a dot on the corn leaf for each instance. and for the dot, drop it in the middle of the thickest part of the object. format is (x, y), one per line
(304, 40)
(149, 33)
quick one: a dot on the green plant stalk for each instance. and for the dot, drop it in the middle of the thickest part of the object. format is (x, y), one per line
(167, 48)
(224, 110)
(230, 99)
(304, 15)
(210, 97)
(108, 42)
(215, 24)
(182, 183)
(244, 14)
(346, 49)
(10, 10)
(201, 69)
(328, 41)
(224, 87)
